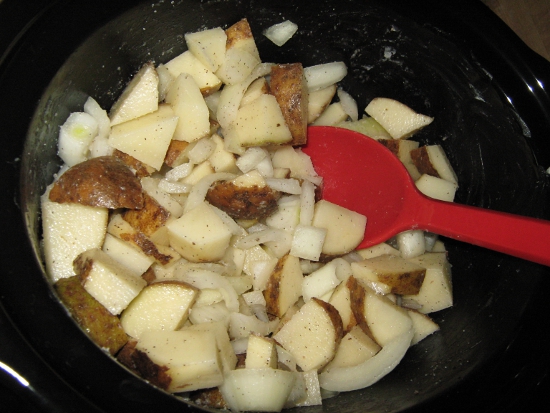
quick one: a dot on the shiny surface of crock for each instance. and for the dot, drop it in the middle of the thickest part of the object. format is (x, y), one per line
(456, 62)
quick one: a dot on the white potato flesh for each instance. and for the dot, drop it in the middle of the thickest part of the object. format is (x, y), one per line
(222, 160)
(140, 96)
(436, 292)
(259, 123)
(376, 250)
(228, 358)
(320, 282)
(259, 390)
(208, 46)
(355, 348)
(311, 336)
(398, 119)
(190, 356)
(186, 62)
(318, 101)
(162, 305)
(108, 281)
(185, 98)
(440, 162)
(436, 188)
(68, 230)
(146, 138)
(345, 228)
(384, 319)
(340, 299)
(199, 235)
(126, 254)
(232, 95)
(331, 116)
(237, 65)
(423, 326)
(261, 352)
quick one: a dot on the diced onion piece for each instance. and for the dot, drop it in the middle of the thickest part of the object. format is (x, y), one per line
(324, 75)
(251, 158)
(201, 151)
(281, 33)
(231, 95)
(210, 279)
(261, 237)
(179, 172)
(349, 105)
(307, 203)
(75, 137)
(370, 371)
(289, 186)
(174, 187)
(265, 167)
(92, 108)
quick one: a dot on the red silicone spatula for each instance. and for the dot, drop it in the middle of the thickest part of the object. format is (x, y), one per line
(363, 175)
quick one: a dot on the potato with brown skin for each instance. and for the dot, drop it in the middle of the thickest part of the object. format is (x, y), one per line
(238, 32)
(102, 327)
(140, 168)
(175, 153)
(421, 160)
(289, 87)
(149, 370)
(104, 181)
(400, 275)
(357, 301)
(149, 218)
(284, 286)
(119, 228)
(250, 202)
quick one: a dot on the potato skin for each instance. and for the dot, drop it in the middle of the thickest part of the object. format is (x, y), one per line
(357, 298)
(288, 85)
(141, 169)
(102, 327)
(104, 181)
(175, 151)
(243, 202)
(149, 370)
(391, 144)
(149, 218)
(237, 32)
(407, 283)
(421, 160)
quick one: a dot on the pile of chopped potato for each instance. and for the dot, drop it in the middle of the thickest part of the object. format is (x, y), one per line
(186, 234)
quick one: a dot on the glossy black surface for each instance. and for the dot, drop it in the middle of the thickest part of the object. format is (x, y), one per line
(454, 61)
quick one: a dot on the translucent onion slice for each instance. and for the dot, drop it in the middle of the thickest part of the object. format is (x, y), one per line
(348, 104)
(210, 279)
(231, 95)
(289, 186)
(281, 33)
(251, 158)
(260, 237)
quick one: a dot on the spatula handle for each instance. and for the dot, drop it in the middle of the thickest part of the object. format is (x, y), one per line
(516, 235)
